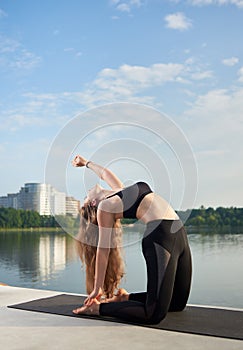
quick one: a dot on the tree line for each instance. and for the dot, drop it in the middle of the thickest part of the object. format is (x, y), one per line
(202, 217)
(19, 218)
(210, 217)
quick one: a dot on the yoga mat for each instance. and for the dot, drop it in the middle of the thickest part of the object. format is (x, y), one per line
(194, 319)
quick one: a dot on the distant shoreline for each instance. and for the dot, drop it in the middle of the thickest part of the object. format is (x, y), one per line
(33, 229)
(191, 229)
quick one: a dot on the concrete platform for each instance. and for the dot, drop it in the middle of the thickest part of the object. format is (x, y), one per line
(24, 330)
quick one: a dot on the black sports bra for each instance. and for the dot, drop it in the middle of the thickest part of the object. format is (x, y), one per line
(131, 197)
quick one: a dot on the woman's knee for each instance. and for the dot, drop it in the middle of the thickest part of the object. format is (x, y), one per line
(157, 317)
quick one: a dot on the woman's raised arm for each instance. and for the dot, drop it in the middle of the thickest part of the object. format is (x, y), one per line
(103, 173)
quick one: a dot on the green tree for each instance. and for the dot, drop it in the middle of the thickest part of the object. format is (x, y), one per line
(198, 220)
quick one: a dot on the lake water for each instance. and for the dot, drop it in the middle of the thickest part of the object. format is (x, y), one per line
(45, 260)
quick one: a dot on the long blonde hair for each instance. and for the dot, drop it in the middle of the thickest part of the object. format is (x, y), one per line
(87, 241)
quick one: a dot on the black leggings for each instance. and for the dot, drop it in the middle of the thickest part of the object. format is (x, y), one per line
(168, 261)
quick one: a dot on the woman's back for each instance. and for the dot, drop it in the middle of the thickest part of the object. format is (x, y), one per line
(154, 207)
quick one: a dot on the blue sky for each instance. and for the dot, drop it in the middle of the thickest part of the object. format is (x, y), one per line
(183, 58)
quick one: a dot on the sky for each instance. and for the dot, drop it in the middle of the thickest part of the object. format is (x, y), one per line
(181, 59)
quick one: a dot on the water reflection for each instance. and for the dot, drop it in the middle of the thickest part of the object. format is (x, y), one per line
(217, 269)
(49, 261)
(35, 256)
(52, 255)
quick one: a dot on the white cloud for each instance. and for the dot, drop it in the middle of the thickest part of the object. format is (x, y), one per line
(178, 21)
(126, 83)
(14, 120)
(196, 70)
(230, 61)
(214, 126)
(137, 84)
(130, 83)
(33, 110)
(68, 49)
(138, 77)
(3, 14)
(123, 7)
(15, 56)
(73, 51)
(240, 73)
(213, 101)
(136, 2)
(25, 60)
(216, 119)
(8, 45)
(238, 3)
(202, 75)
(190, 60)
(126, 6)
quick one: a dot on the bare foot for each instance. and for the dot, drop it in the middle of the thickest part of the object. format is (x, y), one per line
(93, 309)
(121, 295)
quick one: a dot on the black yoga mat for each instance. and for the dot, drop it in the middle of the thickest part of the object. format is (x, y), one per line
(195, 320)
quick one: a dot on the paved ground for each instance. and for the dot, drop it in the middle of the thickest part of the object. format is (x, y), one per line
(24, 330)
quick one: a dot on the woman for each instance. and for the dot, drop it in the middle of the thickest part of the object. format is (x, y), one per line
(165, 248)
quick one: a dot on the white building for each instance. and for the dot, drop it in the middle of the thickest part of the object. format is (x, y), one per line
(58, 202)
(9, 201)
(43, 198)
(34, 196)
(72, 206)
(4, 202)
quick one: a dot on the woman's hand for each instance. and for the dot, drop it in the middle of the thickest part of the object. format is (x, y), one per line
(94, 296)
(79, 161)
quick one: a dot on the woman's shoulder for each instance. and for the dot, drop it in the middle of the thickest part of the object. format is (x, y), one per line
(109, 203)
